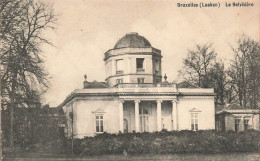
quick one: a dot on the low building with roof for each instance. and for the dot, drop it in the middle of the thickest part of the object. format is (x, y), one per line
(134, 97)
(236, 118)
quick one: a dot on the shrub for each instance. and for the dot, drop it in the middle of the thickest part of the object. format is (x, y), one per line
(169, 142)
(136, 146)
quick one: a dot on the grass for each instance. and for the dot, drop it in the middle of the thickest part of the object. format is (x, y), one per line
(175, 157)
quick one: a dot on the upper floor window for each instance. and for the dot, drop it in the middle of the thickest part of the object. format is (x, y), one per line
(119, 66)
(140, 80)
(156, 67)
(194, 122)
(156, 80)
(140, 64)
(119, 81)
(99, 123)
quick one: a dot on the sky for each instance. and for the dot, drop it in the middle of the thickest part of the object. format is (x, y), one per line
(86, 29)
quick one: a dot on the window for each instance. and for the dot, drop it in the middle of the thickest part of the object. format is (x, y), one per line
(99, 123)
(156, 80)
(140, 80)
(119, 66)
(237, 121)
(156, 67)
(246, 124)
(140, 64)
(194, 122)
(119, 81)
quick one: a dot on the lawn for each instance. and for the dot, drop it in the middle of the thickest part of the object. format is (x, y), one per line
(175, 157)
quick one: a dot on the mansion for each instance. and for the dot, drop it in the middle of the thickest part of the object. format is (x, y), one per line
(136, 96)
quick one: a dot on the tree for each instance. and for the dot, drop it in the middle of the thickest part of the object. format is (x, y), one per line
(218, 79)
(245, 71)
(23, 78)
(197, 65)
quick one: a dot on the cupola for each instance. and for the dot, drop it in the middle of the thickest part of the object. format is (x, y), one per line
(133, 60)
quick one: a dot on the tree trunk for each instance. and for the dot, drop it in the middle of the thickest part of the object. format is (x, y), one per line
(12, 110)
(12, 118)
(222, 96)
(1, 133)
(199, 83)
(240, 95)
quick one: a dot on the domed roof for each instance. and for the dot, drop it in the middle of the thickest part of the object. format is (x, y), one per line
(132, 40)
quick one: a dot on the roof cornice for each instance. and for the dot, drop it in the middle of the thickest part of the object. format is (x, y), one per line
(147, 94)
(196, 94)
(120, 75)
(117, 94)
(245, 111)
(153, 51)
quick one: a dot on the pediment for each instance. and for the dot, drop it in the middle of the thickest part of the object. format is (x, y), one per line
(194, 110)
(100, 110)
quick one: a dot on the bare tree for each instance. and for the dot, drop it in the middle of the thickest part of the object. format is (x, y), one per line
(197, 64)
(245, 71)
(23, 78)
(219, 80)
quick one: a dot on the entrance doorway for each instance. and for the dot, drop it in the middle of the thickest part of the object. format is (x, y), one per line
(144, 120)
(125, 126)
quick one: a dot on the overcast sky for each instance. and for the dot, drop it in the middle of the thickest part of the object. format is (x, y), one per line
(87, 29)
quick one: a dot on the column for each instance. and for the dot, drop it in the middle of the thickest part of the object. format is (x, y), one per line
(159, 115)
(121, 115)
(175, 115)
(137, 129)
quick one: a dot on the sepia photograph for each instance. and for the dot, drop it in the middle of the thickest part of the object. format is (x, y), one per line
(130, 80)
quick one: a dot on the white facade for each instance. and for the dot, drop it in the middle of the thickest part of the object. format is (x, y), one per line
(134, 104)
(167, 108)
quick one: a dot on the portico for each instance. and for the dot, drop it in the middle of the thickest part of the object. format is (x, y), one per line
(146, 115)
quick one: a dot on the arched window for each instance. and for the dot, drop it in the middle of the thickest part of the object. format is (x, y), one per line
(143, 111)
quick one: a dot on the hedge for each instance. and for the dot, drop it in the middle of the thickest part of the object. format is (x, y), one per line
(174, 142)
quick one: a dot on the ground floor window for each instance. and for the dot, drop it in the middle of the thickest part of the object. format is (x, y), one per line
(246, 124)
(237, 121)
(194, 122)
(99, 123)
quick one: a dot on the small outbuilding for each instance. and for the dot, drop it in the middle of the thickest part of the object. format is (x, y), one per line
(237, 118)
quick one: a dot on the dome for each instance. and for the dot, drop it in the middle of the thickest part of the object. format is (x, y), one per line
(132, 40)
